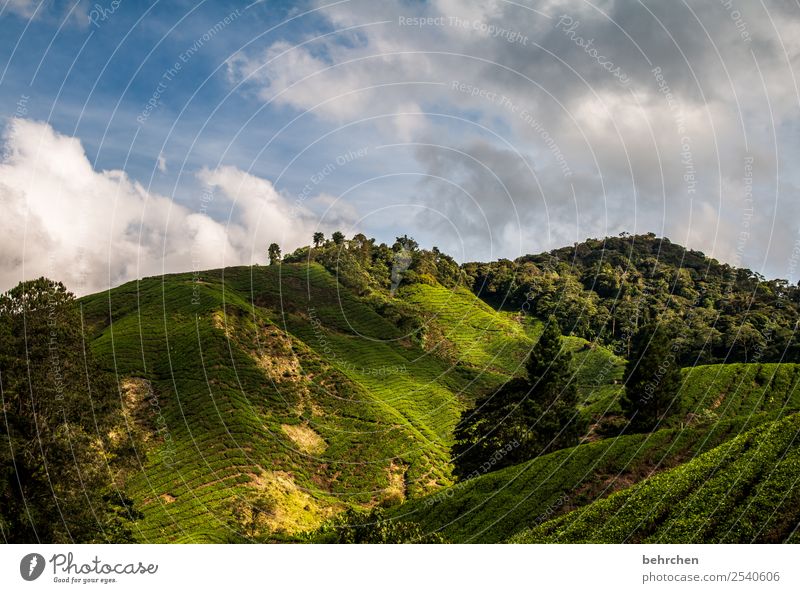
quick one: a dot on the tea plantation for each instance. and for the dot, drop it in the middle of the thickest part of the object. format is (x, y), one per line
(745, 490)
(274, 391)
(272, 398)
(494, 506)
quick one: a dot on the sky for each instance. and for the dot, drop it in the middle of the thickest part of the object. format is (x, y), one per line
(142, 138)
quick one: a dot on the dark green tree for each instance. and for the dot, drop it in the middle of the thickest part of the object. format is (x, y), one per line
(362, 248)
(495, 433)
(405, 242)
(525, 417)
(274, 253)
(652, 377)
(64, 447)
(338, 238)
(550, 373)
(319, 239)
(372, 527)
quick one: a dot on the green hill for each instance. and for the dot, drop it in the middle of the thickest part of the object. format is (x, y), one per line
(603, 288)
(717, 402)
(275, 391)
(270, 399)
(746, 490)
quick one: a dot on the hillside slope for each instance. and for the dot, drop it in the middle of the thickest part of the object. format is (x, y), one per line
(718, 403)
(272, 397)
(746, 490)
(712, 392)
(494, 506)
(605, 288)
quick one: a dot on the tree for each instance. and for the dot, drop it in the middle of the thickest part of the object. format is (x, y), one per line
(550, 370)
(64, 446)
(338, 238)
(362, 248)
(274, 252)
(405, 242)
(359, 240)
(493, 434)
(652, 378)
(251, 515)
(372, 527)
(525, 417)
(319, 239)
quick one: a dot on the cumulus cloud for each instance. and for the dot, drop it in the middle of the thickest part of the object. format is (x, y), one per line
(24, 8)
(662, 146)
(96, 229)
(75, 12)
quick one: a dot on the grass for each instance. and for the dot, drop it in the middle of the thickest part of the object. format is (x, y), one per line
(492, 507)
(745, 490)
(273, 397)
(277, 379)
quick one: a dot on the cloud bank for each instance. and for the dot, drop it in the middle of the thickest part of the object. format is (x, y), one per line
(491, 129)
(538, 127)
(96, 229)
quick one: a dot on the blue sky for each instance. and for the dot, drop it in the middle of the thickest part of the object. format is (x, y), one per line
(490, 129)
(93, 80)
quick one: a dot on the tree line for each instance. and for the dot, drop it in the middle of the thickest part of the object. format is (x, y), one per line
(65, 448)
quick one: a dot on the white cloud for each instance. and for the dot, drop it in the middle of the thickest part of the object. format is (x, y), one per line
(75, 12)
(96, 229)
(625, 145)
(24, 8)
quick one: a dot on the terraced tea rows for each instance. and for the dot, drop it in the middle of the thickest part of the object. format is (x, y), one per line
(492, 507)
(712, 392)
(273, 397)
(476, 333)
(274, 386)
(745, 490)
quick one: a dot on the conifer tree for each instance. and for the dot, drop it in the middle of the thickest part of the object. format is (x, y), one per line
(525, 417)
(652, 378)
(550, 371)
